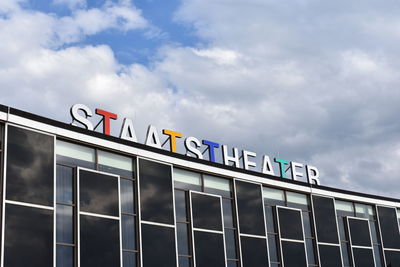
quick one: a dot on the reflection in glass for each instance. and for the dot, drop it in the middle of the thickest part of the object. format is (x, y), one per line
(359, 231)
(206, 212)
(363, 257)
(217, 185)
(65, 227)
(28, 236)
(344, 208)
(293, 254)
(156, 196)
(269, 217)
(364, 211)
(374, 234)
(127, 196)
(310, 251)
(187, 180)
(341, 226)
(274, 196)
(65, 256)
(290, 224)
(128, 232)
(180, 206)
(392, 258)
(378, 256)
(230, 241)
(345, 254)
(64, 184)
(325, 219)
(389, 227)
(307, 224)
(183, 239)
(298, 201)
(99, 242)
(129, 259)
(75, 155)
(158, 246)
(232, 264)
(254, 252)
(209, 249)
(330, 256)
(185, 262)
(30, 167)
(273, 247)
(98, 193)
(228, 214)
(114, 163)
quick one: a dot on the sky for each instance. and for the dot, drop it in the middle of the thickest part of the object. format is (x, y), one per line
(310, 81)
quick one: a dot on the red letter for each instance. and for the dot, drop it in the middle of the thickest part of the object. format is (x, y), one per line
(106, 119)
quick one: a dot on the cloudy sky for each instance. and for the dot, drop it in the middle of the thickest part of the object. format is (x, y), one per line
(305, 80)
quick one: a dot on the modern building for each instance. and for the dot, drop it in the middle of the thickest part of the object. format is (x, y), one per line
(74, 197)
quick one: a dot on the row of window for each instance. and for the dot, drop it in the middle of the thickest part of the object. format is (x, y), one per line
(103, 202)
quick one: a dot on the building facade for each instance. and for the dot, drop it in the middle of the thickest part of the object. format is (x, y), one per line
(77, 198)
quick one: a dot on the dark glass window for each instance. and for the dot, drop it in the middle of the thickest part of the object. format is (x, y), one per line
(185, 262)
(359, 232)
(65, 227)
(273, 247)
(180, 206)
(129, 259)
(65, 256)
(98, 193)
(99, 242)
(209, 249)
(129, 232)
(389, 227)
(392, 258)
(325, 219)
(156, 196)
(228, 214)
(290, 223)
(65, 184)
(28, 237)
(330, 256)
(158, 246)
(30, 167)
(250, 208)
(363, 257)
(230, 241)
(294, 254)
(127, 196)
(206, 211)
(183, 239)
(254, 252)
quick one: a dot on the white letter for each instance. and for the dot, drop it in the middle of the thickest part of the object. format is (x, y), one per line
(267, 166)
(77, 117)
(127, 131)
(152, 138)
(246, 162)
(226, 158)
(312, 174)
(295, 174)
(194, 149)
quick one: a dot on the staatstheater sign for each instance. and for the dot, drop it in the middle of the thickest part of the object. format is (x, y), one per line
(244, 159)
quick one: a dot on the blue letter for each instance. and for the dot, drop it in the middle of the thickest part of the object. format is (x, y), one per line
(211, 146)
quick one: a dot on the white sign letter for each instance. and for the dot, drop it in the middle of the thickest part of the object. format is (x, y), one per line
(193, 149)
(127, 131)
(77, 117)
(312, 174)
(152, 137)
(227, 158)
(267, 166)
(246, 162)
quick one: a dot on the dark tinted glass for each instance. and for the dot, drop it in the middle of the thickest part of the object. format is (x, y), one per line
(65, 226)
(129, 259)
(325, 219)
(99, 242)
(64, 184)
(294, 254)
(345, 254)
(307, 224)
(128, 232)
(230, 241)
(183, 238)
(98, 193)
(363, 257)
(330, 256)
(180, 206)
(156, 197)
(30, 167)
(310, 251)
(206, 212)
(65, 256)
(209, 249)
(254, 252)
(127, 196)
(185, 262)
(158, 246)
(228, 215)
(250, 208)
(359, 230)
(269, 217)
(389, 227)
(290, 224)
(28, 237)
(273, 247)
(392, 258)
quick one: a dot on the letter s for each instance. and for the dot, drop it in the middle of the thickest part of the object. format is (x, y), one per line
(77, 117)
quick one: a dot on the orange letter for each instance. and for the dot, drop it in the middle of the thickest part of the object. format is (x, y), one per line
(172, 135)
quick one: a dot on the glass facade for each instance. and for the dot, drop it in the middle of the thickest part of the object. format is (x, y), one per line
(70, 204)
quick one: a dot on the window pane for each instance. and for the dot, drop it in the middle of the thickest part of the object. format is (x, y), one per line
(359, 231)
(98, 193)
(363, 257)
(209, 249)
(28, 236)
(217, 185)
(156, 196)
(310, 251)
(374, 234)
(296, 200)
(345, 254)
(65, 256)
(228, 214)
(341, 225)
(99, 241)
(230, 243)
(389, 227)
(127, 196)
(344, 208)
(180, 206)
(293, 254)
(290, 224)
(330, 256)
(128, 232)
(129, 259)
(185, 262)
(232, 264)
(364, 211)
(378, 256)
(254, 252)
(30, 167)
(64, 184)
(250, 208)
(183, 239)
(75, 155)
(274, 196)
(273, 248)
(392, 258)
(325, 219)
(269, 217)
(114, 163)
(307, 224)
(206, 212)
(65, 226)
(158, 246)
(187, 179)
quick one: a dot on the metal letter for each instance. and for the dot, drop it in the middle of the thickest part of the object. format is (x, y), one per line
(282, 164)
(194, 149)
(127, 131)
(295, 174)
(77, 117)
(211, 146)
(107, 116)
(152, 138)
(312, 174)
(267, 166)
(226, 158)
(172, 137)
(246, 162)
